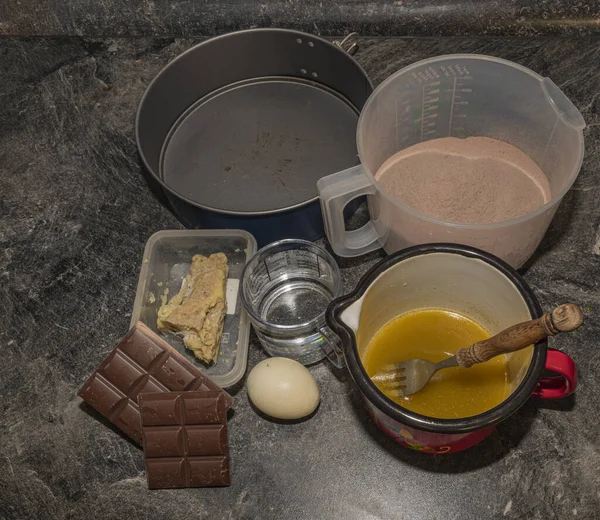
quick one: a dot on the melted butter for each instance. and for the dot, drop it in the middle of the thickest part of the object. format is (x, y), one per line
(435, 334)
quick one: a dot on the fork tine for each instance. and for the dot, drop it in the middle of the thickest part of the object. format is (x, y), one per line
(392, 385)
(391, 377)
(397, 377)
(397, 367)
(398, 384)
(399, 388)
(405, 378)
(388, 379)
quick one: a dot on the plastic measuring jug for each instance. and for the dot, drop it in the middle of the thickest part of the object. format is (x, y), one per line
(459, 95)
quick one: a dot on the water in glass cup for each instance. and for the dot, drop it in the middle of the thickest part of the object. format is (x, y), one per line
(286, 288)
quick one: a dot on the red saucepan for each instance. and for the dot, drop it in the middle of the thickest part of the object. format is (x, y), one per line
(468, 281)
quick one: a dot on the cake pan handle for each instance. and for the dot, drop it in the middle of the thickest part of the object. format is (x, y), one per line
(349, 44)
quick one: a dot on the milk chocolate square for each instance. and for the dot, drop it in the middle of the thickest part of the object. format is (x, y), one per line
(185, 439)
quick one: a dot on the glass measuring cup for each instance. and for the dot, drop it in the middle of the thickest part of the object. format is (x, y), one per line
(286, 288)
(460, 95)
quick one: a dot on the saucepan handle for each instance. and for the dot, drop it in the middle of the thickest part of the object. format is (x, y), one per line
(335, 192)
(562, 384)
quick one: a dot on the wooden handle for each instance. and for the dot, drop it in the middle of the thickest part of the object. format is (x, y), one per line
(564, 318)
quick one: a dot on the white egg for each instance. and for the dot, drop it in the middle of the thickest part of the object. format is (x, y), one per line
(283, 388)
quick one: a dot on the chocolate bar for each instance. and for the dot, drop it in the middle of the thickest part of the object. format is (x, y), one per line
(141, 362)
(185, 439)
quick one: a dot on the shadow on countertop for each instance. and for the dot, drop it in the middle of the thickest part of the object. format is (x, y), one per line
(92, 412)
(558, 229)
(95, 414)
(505, 438)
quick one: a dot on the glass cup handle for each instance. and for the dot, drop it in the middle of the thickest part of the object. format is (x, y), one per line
(335, 192)
(332, 347)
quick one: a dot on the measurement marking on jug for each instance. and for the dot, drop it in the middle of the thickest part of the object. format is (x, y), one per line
(429, 109)
(396, 111)
(451, 109)
(422, 110)
(403, 120)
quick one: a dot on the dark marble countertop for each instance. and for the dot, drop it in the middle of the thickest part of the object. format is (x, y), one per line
(184, 18)
(75, 214)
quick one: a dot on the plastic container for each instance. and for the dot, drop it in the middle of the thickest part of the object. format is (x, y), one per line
(286, 288)
(167, 259)
(473, 283)
(461, 95)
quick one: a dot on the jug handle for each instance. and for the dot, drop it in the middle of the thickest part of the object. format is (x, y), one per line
(335, 192)
(561, 385)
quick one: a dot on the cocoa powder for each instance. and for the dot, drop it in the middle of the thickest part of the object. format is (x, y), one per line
(477, 180)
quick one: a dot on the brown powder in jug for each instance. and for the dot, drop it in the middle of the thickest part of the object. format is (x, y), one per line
(477, 180)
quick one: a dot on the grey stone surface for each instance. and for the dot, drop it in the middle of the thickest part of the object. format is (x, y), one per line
(192, 18)
(75, 213)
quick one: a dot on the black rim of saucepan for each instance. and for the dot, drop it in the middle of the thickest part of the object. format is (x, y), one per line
(155, 175)
(402, 415)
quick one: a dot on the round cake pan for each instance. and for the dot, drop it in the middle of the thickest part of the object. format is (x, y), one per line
(239, 129)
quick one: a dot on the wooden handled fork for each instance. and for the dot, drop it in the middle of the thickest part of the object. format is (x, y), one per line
(411, 376)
